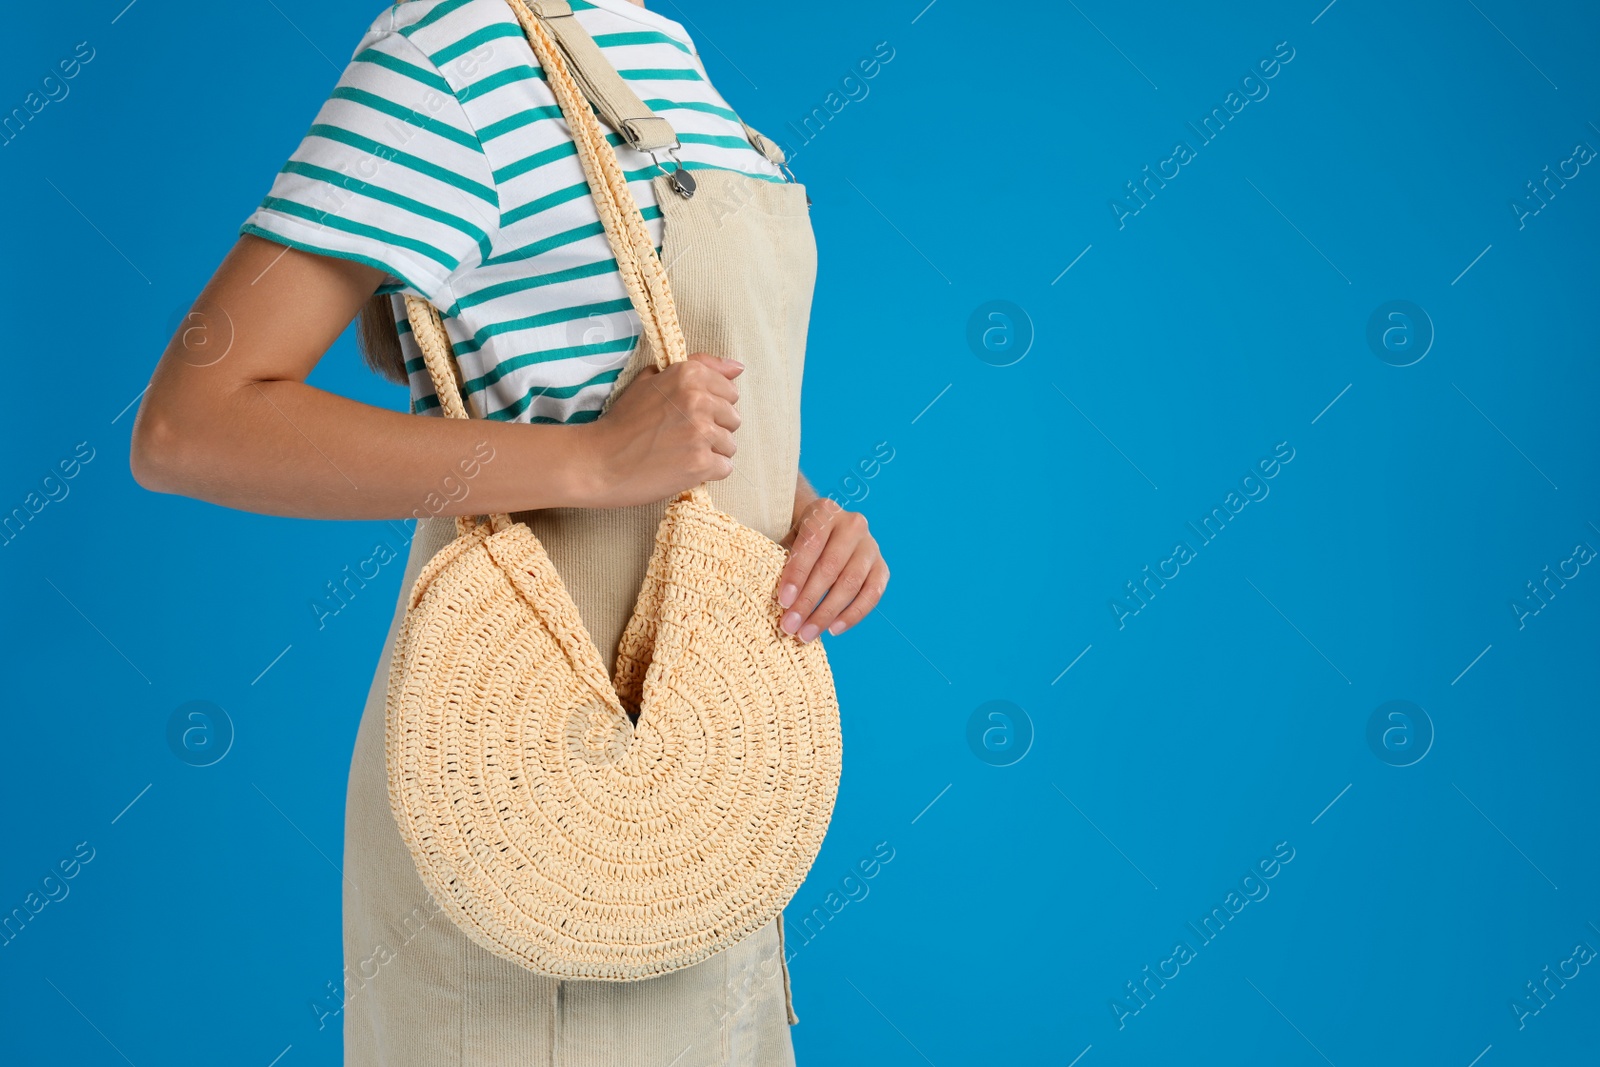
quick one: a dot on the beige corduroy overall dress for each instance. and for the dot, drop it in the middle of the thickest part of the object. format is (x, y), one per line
(741, 260)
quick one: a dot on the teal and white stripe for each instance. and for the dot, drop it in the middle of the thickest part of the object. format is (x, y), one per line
(442, 159)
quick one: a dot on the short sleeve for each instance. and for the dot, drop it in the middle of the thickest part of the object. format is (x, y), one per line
(391, 174)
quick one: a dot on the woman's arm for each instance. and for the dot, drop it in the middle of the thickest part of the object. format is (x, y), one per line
(229, 419)
(804, 494)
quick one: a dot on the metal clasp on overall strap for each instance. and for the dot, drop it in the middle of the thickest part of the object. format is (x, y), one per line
(784, 166)
(681, 179)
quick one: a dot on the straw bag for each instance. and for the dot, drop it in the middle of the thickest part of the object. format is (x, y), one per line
(553, 830)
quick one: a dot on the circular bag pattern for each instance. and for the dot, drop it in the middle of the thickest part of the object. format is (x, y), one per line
(556, 832)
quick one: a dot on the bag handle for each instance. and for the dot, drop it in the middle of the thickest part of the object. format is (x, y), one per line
(643, 275)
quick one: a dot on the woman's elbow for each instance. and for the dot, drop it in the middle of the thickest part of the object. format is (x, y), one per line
(156, 449)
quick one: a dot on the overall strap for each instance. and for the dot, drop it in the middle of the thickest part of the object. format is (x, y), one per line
(610, 94)
(764, 144)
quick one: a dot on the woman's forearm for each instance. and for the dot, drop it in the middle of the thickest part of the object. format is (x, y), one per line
(228, 416)
(287, 448)
(803, 493)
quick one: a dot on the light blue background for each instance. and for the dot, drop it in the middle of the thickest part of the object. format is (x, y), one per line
(1228, 715)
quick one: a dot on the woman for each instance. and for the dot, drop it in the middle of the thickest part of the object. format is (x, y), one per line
(441, 168)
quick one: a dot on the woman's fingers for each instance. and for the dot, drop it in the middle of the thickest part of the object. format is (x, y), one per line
(867, 599)
(845, 532)
(805, 543)
(835, 573)
(850, 591)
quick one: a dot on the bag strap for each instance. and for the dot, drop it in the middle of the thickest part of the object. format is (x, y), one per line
(427, 329)
(643, 276)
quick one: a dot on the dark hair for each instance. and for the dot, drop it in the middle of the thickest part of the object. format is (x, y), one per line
(379, 339)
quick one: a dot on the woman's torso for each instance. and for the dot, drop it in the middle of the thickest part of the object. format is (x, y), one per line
(477, 201)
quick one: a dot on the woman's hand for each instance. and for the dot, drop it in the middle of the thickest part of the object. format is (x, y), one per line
(835, 573)
(667, 431)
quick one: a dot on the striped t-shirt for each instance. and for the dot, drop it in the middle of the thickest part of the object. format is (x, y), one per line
(442, 158)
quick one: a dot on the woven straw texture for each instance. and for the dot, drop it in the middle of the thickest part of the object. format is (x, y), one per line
(553, 830)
